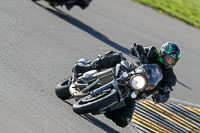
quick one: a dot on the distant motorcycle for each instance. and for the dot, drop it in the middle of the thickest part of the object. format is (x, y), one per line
(68, 3)
(97, 92)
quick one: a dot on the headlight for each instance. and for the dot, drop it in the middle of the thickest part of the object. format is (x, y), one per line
(138, 82)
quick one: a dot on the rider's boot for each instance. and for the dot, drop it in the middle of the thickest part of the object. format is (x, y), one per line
(110, 59)
(83, 65)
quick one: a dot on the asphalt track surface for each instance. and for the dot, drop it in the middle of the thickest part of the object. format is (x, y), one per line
(39, 45)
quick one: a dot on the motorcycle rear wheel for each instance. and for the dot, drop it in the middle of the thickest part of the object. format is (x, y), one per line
(62, 90)
(90, 104)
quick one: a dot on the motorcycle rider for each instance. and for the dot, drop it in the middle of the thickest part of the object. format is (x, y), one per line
(68, 3)
(166, 58)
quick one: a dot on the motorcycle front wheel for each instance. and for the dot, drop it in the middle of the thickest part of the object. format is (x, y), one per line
(62, 90)
(94, 103)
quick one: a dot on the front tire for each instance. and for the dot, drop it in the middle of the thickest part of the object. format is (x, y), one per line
(91, 104)
(62, 90)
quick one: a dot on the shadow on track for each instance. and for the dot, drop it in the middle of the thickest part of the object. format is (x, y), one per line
(77, 23)
(99, 124)
(189, 88)
(96, 122)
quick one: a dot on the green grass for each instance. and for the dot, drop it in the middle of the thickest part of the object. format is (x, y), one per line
(186, 10)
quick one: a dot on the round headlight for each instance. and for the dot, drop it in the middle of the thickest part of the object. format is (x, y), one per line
(138, 82)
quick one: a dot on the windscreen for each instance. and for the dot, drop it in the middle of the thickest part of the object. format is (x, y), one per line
(152, 72)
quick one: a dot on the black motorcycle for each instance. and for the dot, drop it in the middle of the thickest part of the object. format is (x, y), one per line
(68, 3)
(97, 92)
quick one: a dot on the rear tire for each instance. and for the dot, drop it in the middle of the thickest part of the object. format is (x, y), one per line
(62, 90)
(91, 104)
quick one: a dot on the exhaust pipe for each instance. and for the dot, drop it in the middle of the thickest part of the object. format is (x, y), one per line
(75, 93)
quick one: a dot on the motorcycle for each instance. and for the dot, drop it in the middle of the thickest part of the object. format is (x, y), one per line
(68, 3)
(97, 92)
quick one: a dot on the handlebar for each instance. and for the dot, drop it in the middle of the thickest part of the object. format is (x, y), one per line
(142, 58)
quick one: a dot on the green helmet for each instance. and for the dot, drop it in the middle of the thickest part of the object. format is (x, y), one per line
(169, 54)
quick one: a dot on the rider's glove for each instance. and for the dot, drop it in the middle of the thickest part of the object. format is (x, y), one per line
(136, 47)
(162, 96)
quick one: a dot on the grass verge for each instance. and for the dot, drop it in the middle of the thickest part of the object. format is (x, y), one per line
(186, 10)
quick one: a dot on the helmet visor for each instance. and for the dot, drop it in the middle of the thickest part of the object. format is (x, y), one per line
(170, 60)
